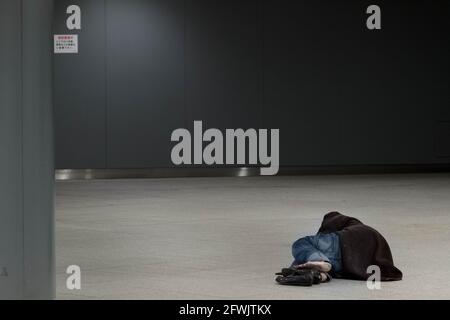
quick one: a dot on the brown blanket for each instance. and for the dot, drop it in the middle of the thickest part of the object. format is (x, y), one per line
(361, 247)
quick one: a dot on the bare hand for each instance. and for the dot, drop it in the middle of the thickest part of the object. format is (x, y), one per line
(317, 265)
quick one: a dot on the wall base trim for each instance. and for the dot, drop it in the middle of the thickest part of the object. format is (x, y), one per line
(99, 174)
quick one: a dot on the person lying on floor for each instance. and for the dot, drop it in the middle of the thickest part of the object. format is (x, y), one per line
(344, 248)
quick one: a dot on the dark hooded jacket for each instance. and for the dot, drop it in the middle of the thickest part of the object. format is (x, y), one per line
(361, 247)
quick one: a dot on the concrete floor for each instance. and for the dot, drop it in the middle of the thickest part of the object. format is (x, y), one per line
(223, 238)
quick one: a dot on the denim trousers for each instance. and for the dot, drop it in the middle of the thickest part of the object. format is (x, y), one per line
(321, 247)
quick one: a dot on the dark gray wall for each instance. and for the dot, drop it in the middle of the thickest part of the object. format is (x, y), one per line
(340, 94)
(80, 90)
(145, 91)
(26, 155)
(223, 63)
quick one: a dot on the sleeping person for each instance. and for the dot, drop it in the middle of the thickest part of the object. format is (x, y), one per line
(345, 248)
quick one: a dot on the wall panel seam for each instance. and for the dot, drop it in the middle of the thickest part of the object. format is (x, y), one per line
(22, 151)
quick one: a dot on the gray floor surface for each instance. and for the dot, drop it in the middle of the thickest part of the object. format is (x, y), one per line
(223, 238)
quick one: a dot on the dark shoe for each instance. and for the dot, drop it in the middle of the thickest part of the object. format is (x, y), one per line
(290, 272)
(290, 276)
(286, 272)
(317, 274)
(293, 271)
(305, 280)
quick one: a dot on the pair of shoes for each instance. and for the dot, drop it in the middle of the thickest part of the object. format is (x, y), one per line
(328, 279)
(298, 277)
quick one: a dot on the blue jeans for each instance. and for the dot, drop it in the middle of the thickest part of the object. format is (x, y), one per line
(321, 247)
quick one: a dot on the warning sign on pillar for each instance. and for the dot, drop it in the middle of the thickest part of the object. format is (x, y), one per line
(66, 43)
